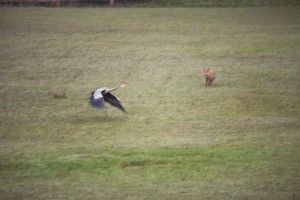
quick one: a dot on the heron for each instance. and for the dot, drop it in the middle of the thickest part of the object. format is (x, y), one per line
(104, 94)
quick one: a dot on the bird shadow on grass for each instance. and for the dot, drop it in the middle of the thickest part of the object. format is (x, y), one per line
(99, 119)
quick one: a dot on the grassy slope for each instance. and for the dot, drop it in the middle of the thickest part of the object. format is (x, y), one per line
(180, 140)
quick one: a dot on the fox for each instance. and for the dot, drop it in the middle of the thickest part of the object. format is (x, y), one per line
(209, 75)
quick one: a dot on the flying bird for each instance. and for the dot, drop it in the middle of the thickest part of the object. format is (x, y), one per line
(101, 95)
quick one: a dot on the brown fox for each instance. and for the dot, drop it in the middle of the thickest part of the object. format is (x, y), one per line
(209, 76)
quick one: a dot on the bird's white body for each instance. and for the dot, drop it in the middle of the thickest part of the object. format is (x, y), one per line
(98, 93)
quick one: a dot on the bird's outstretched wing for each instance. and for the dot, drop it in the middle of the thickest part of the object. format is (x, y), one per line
(97, 99)
(114, 101)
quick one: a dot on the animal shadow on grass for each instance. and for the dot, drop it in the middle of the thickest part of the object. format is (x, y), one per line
(99, 119)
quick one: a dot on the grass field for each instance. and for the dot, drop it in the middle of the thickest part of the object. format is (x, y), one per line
(238, 139)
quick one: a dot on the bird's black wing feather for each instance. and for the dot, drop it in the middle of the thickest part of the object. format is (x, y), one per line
(114, 101)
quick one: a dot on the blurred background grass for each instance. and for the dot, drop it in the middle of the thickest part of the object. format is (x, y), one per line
(222, 3)
(180, 140)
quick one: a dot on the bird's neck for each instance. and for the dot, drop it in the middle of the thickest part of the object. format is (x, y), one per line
(112, 89)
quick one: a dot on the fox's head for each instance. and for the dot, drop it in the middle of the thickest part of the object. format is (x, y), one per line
(205, 70)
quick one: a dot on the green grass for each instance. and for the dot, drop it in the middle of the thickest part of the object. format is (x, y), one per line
(238, 139)
(221, 3)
